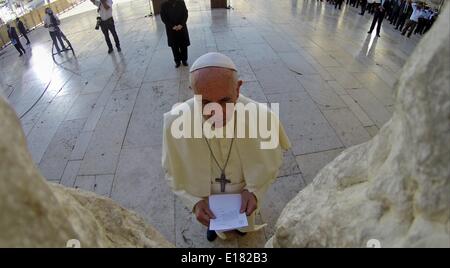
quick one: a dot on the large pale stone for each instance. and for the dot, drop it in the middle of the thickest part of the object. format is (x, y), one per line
(396, 187)
(40, 214)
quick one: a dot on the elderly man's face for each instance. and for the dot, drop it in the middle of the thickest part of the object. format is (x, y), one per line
(217, 85)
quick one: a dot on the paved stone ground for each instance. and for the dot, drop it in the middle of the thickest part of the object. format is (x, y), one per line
(97, 124)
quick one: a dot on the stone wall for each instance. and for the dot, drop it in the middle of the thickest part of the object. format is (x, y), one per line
(396, 187)
(35, 213)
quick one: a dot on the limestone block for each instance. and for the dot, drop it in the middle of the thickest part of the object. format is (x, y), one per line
(396, 187)
(40, 214)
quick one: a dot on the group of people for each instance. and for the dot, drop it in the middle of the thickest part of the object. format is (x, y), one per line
(52, 23)
(14, 37)
(174, 15)
(407, 16)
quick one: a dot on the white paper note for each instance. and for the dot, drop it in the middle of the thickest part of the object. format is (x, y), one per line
(226, 208)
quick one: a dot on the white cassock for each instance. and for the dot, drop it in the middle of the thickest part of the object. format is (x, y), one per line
(192, 172)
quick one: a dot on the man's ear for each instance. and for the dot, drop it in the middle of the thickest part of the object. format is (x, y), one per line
(238, 89)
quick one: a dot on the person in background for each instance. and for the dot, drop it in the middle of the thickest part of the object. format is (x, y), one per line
(22, 30)
(395, 11)
(15, 39)
(431, 19)
(174, 15)
(382, 9)
(363, 7)
(423, 18)
(107, 23)
(371, 4)
(51, 21)
(405, 12)
(413, 20)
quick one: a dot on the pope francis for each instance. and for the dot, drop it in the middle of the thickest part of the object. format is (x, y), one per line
(199, 166)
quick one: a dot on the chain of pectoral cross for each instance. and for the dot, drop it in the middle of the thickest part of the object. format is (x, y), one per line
(223, 179)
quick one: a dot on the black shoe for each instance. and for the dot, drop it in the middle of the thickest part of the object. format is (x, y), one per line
(240, 233)
(119, 49)
(27, 43)
(378, 35)
(20, 55)
(177, 65)
(211, 235)
(369, 32)
(185, 63)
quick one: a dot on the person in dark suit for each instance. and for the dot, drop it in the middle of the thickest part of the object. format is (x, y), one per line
(22, 29)
(405, 12)
(174, 14)
(363, 7)
(338, 3)
(381, 10)
(15, 39)
(395, 11)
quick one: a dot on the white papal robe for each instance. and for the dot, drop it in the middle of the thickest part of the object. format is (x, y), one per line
(191, 170)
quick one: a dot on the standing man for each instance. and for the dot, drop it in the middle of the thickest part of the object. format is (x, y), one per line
(15, 39)
(174, 15)
(52, 22)
(22, 30)
(395, 12)
(363, 7)
(107, 22)
(423, 18)
(405, 12)
(203, 165)
(382, 9)
(413, 20)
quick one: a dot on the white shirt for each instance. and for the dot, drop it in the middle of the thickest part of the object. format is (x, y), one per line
(48, 22)
(416, 13)
(105, 13)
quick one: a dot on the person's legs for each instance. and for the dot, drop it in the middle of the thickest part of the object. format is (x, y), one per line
(53, 36)
(401, 22)
(413, 25)
(380, 21)
(112, 29)
(427, 26)
(374, 21)
(418, 26)
(363, 8)
(176, 54)
(18, 49)
(26, 37)
(20, 46)
(105, 32)
(184, 54)
(58, 35)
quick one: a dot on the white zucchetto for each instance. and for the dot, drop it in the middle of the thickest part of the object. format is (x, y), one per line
(213, 59)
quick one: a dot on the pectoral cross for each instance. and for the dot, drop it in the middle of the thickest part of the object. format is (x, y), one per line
(223, 181)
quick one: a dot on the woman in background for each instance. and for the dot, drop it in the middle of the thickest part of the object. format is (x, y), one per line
(52, 22)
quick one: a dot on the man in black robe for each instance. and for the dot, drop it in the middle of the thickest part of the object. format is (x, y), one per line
(174, 14)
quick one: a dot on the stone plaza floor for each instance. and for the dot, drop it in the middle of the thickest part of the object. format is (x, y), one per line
(95, 121)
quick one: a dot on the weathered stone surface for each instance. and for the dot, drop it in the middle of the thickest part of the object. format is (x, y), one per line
(40, 214)
(395, 187)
